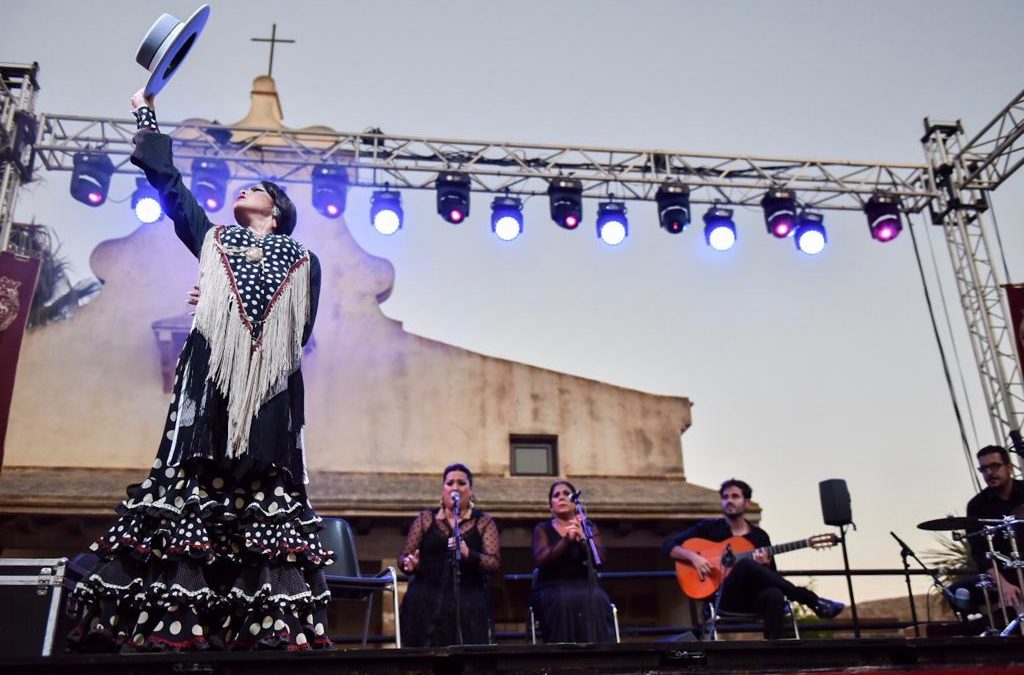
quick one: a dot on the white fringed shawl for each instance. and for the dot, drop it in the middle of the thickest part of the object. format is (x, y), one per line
(247, 370)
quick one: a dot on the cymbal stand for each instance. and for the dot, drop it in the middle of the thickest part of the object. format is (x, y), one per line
(989, 534)
(1015, 563)
(985, 584)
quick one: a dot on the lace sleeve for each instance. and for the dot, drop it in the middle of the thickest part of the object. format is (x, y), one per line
(415, 536)
(490, 556)
(544, 552)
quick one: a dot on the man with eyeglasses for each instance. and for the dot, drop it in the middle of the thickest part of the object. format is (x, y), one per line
(1003, 496)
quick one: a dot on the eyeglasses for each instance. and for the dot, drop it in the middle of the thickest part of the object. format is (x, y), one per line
(994, 466)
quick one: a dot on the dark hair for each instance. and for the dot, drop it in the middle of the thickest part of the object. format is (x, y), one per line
(286, 218)
(736, 483)
(458, 466)
(990, 449)
(551, 490)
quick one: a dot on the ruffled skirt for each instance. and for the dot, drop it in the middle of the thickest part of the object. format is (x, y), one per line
(200, 559)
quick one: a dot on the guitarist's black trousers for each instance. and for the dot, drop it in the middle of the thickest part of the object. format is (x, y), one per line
(752, 588)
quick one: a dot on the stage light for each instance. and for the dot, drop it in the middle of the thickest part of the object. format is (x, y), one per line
(780, 212)
(883, 212)
(90, 178)
(146, 202)
(453, 196)
(507, 217)
(612, 224)
(386, 211)
(210, 182)
(566, 198)
(673, 206)
(810, 233)
(330, 185)
(719, 230)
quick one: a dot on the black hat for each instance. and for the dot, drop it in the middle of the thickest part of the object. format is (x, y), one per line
(166, 45)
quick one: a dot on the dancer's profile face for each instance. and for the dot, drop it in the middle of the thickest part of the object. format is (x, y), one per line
(252, 201)
(457, 481)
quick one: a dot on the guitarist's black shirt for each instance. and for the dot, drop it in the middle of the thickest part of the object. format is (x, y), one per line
(717, 529)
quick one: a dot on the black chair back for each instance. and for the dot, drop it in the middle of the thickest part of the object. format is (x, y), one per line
(337, 536)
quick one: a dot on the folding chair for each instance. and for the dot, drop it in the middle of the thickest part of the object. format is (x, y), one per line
(532, 622)
(346, 581)
(715, 619)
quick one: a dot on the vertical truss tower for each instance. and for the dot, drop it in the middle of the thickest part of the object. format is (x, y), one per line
(961, 174)
(18, 127)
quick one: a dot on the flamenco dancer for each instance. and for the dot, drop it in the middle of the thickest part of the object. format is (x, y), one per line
(218, 547)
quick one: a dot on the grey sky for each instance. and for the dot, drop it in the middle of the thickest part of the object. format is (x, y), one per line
(800, 368)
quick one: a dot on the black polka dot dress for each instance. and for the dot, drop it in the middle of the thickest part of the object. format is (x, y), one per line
(217, 549)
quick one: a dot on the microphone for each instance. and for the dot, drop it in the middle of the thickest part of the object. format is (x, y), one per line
(456, 498)
(575, 496)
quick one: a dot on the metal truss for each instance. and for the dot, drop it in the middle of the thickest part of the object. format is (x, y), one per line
(412, 162)
(952, 186)
(18, 90)
(997, 150)
(960, 208)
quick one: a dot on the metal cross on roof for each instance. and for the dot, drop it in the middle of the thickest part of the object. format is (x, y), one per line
(273, 40)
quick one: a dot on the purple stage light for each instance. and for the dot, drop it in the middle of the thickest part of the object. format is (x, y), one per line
(883, 214)
(780, 208)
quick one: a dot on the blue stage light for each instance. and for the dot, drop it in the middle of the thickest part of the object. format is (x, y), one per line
(507, 217)
(386, 211)
(210, 182)
(719, 229)
(612, 224)
(810, 234)
(146, 202)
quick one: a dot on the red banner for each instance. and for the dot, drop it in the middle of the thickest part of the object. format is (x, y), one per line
(18, 277)
(1015, 299)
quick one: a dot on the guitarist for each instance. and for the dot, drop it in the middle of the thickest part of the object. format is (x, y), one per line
(753, 585)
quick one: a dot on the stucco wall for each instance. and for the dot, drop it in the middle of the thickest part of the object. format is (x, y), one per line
(89, 390)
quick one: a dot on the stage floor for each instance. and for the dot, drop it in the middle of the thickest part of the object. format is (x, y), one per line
(953, 656)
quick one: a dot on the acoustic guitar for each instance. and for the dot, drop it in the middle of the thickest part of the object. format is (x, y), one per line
(724, 554)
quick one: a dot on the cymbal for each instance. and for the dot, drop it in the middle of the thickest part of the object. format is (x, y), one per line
(951, 523)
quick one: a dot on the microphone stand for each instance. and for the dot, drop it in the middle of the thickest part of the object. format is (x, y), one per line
(593, 556)
(905, 553)
(456, 563)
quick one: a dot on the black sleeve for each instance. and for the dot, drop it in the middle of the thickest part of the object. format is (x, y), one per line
(698, 529)
(153, 155)
(760, 539)
(314, 296)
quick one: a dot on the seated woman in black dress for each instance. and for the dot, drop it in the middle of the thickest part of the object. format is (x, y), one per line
(428, 610)
(569, 603)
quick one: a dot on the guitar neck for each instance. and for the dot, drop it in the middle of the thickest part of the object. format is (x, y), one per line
(779, 548)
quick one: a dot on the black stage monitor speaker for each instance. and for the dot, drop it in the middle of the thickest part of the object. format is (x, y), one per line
(835, 502)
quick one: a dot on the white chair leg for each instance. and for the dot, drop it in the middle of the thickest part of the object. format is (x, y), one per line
(393, 573)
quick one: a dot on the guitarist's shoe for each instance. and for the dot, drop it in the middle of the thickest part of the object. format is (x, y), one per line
(828, 609)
